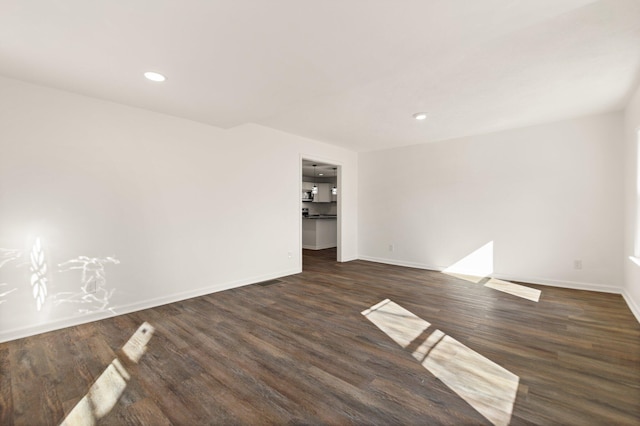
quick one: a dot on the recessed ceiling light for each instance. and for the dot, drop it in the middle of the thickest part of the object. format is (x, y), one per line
(154, 76)
(320, 174)
(420, 115)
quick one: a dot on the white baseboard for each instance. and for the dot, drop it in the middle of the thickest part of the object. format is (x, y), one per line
(532, 280)
(574, 285)
(21, 332)
(633, 306)
(349, 259)
(320, 247)
(398, 263)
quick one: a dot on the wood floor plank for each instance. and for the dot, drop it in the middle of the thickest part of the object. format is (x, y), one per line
(6, 397)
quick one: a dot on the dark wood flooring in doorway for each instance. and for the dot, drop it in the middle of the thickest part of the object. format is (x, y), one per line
(300, 351)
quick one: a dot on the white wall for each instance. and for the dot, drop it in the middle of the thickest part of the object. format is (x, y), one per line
(173, 201)
(632, 201)
(544, 195)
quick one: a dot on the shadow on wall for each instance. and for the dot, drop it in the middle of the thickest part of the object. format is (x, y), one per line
(7, 257)
(38, 270)
(477, 267)
(92, 294)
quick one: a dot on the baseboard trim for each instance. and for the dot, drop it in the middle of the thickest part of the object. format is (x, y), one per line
(399, 263)
(321, 247)
(575, 285)
(21, 332)
(633, 306)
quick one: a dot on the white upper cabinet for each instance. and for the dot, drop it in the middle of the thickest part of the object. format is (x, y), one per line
(324, 193)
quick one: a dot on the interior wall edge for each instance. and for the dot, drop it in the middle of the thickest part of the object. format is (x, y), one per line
(22, 332)
(349, 259)
(633, 306)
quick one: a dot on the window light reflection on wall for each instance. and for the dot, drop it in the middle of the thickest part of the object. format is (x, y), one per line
(38, 270)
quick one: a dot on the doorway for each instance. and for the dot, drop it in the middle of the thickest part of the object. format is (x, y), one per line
(320, 209)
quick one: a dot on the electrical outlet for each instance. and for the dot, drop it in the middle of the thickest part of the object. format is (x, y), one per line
(91, 286)
(577, 264)
(391, 247)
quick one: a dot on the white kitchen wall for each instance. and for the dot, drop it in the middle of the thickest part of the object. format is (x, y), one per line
(144, 207)
(632, 203)
(527, 203)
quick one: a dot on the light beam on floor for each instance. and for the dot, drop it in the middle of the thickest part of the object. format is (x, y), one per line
(397, 322)
(522, 291)
(477, 267)
(489, 388)
(107, 389)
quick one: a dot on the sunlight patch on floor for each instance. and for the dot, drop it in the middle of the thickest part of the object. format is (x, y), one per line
(528, 293)
(471, 278)
(397, 322)
(477, 267)
(108, 388)
(474, 266)
(489, 388)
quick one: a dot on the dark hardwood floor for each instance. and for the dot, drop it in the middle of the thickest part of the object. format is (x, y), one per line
(299, 351)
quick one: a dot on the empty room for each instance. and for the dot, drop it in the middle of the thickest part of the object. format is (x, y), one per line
(411, 212)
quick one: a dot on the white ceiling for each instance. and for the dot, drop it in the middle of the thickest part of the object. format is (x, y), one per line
(321, 168)
(348, 72)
